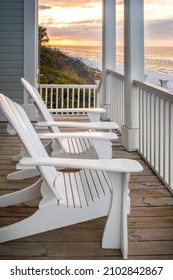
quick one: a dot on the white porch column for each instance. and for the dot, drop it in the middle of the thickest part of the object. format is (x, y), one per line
(108, 50)
(133, 69)
(30, 49)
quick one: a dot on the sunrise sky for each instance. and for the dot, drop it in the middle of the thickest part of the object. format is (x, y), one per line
(72, 22)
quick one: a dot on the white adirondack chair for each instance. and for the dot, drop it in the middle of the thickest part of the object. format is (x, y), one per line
(65, 145)
(99, 189)
(72, 147)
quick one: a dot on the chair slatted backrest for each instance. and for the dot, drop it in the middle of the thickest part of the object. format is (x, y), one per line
(36, 98)
(39, 103)
(22, 125)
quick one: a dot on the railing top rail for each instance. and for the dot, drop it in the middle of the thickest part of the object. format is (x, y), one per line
(156, 90)
(115, 74)
(67, 86)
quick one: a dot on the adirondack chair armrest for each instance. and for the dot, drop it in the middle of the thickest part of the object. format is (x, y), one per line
(111, 165)
(78, 110)
(92, 113)
(100, 140)
(89, 125)
(103, 136)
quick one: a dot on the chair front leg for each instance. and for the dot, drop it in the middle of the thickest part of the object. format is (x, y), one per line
(115, 234)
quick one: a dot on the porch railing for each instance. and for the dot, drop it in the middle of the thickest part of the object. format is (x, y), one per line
(155, 123)
(116, 91)
(116, 87)
(156, 130)
(155, 116)
(69, 96)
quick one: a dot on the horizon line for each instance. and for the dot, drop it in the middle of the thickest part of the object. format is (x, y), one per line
(149, 46)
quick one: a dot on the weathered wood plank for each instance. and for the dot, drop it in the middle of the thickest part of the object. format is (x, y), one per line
(151, 211)
(150, 235)
(151, 248)
(58, 249)
(150, 222)
(141, 178)
(151, 201)
(153, 192)
(146, 185)
(71, 257)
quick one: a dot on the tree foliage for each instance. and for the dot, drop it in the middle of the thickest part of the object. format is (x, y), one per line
(43, 37)
(59, 68)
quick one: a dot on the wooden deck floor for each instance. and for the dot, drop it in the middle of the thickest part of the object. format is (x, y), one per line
(150, 221)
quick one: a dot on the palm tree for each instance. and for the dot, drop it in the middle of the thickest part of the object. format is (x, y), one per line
(43, 37)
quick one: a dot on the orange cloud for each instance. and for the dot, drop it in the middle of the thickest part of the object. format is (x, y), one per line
(81, 21)
(68, 4)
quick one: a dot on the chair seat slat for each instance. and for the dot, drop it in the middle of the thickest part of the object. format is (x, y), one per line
(79, 189)
(91, 184)
(74, 190)
(83, 201)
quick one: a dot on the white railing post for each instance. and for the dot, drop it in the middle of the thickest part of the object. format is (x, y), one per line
(108, 51)
(133, 69)
(117, 97)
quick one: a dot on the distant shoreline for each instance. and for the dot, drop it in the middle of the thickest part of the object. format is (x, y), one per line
(153, 76)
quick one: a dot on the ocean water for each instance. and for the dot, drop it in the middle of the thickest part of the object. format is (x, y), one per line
(158, 61)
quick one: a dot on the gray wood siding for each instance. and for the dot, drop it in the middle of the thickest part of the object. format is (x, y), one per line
(11, 48)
